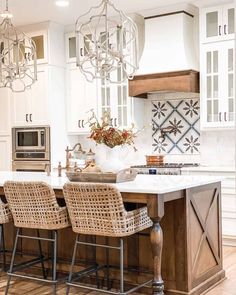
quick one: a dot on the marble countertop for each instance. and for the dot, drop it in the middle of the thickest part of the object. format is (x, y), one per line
(150, 184)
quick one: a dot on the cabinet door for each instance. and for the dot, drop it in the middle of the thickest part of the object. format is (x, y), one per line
(211, 24)
(21, 108)
(38, 99)
(229, 83)
(40, 39)
(228, 21)
(217, 84)
(5, 110)
(81, 98)
(217, 23)
(5, 153)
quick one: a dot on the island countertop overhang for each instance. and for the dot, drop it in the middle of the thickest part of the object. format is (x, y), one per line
(148, 184)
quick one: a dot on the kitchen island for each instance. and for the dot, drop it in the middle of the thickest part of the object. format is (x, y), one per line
(185, 252)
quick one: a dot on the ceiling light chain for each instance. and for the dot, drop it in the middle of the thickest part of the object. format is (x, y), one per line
(18, 62)
(106, 44)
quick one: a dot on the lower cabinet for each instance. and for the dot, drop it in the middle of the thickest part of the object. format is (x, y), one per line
(5, 153)
(228, 195)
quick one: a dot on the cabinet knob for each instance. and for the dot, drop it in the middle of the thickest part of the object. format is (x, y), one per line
(79, 124)
(115, 122)
(82, 123)
(30, 118)
(111, 121)
(26, 118)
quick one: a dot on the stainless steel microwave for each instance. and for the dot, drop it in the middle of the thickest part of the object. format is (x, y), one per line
(31, 143)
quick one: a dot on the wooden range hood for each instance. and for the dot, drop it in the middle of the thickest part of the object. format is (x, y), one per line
(179, 81)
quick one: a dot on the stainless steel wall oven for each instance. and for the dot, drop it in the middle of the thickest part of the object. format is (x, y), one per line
(30, 148)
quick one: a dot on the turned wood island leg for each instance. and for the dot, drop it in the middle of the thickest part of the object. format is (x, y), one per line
(156, 212)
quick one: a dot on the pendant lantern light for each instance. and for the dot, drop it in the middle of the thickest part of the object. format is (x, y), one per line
(18, 61)
(106, 44)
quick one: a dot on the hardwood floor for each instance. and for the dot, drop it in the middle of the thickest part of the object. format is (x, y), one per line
(20, 287)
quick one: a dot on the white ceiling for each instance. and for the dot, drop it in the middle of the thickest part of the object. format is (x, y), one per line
(33, 11)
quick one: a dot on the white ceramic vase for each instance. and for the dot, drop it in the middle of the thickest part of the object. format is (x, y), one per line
(113, 162)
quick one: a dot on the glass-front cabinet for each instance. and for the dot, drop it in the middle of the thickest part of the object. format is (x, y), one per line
(217, 23)
(217, 84)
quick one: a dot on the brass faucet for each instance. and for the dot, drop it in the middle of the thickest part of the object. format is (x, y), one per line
(68, 151)
(68, 156)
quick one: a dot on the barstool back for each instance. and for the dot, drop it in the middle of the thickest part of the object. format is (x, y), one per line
(34, 205)
(5, 213)
(98, 209)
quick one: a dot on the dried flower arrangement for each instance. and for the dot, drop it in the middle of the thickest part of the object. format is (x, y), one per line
(103, 133)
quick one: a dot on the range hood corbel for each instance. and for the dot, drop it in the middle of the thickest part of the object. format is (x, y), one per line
(186, 81)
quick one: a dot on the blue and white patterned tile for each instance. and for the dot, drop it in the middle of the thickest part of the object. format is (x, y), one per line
(160, 111)
(184, 118)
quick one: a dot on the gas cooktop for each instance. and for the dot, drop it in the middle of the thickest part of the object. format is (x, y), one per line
(168, 165)
(164, 169)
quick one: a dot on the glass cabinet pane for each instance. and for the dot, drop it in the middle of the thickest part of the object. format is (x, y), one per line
(231, 21)
(72, 47)
(212, 24)
(230, 95)
(209, 111)
(230, 59)
(215, 61)
(39, 42)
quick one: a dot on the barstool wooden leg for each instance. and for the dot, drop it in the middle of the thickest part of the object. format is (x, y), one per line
(12, 262)
(121, 265)
(41, 256)
(54, 268)
(72, 265)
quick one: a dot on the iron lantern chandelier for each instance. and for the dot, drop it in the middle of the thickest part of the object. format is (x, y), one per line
(18, 61)
(106, 44)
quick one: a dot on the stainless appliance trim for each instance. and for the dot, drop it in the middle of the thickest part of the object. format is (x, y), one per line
(30, 165)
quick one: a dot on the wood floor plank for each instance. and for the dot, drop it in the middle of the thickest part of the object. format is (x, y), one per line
(26, 287)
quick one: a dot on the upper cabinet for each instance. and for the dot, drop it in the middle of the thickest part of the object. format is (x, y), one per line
(99, 96)
(217, 84)
(81, 99)
(217, 23)
(31, 107)
(40, 39)
(217, 67)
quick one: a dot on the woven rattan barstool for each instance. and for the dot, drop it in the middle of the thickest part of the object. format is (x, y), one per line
(98, 209)
(34, 206)
(5, 217)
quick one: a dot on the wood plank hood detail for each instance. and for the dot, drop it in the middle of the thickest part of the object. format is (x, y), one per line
(178, 81)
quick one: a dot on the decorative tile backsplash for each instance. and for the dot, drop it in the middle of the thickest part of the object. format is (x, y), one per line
(182, 117)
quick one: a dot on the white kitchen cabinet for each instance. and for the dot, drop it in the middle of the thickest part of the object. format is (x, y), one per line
(217, 85)
(31, 107)
(5, 111)
(217, 23)
(81, 99)
(228, 196)
(5, 153)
